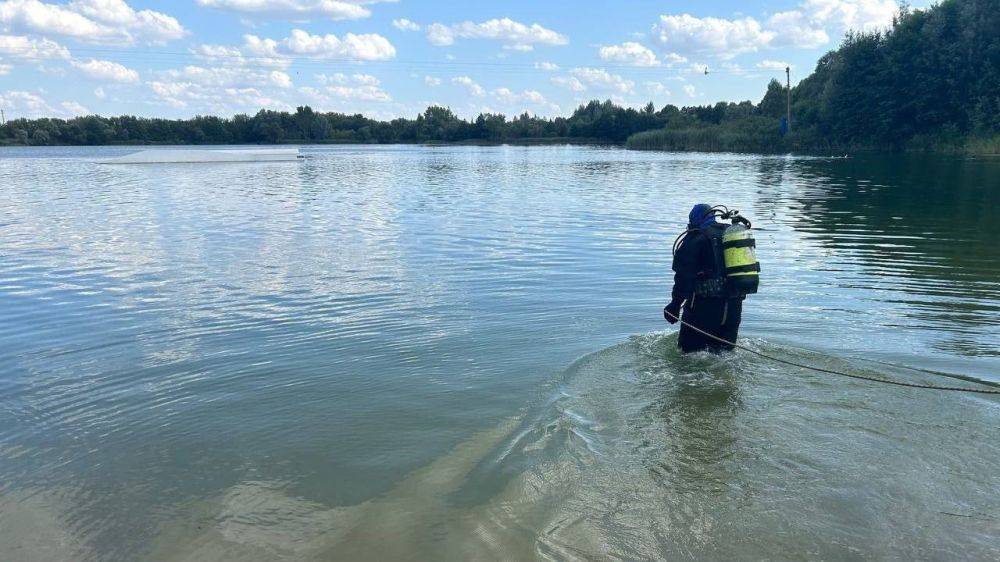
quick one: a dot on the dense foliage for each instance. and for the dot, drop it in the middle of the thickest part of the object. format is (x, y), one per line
(932, 81)
(594, 121)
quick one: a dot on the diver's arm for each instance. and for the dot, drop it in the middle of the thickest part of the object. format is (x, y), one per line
(685, 268)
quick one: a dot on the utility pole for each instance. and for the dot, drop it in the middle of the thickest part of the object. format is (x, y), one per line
(788, 117)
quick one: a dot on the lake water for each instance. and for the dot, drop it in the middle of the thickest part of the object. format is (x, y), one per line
(458, 352)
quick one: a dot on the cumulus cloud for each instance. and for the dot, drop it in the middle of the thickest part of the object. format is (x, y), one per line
(363, 47)
(432, 81)
(213, 99)
(99, 93)
(107, 71)
(522, 99)
(795, 29)
(404, 24)
(24, 48)
(512, 34)
(331, 9)
(5, 69)
(720, 37)
(657, 88)
(690, 90)
(265, 52)
(571, 83)
(629, 53)
(469, 84)
(221, 77)
(673, 59)
(339, 88)
(810, 24)
(95, 21)
(547, 66)
(22, 103)
(768, 64)
(583, 78)
(862, 15)
(73, 109)
(219, 53)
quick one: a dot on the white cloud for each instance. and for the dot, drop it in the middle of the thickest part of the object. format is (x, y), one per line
(571, 83)
(772, 65)
(674, 59)
(364, 47)
(18, 47)
(547, 66)
(721, 37)
(512, 34)
(99, 93)
(795, 29)
(690, 90)
(469, 84)
(96, 21)
(20, 103)
(341, 78)
(107, 70)
(602, 80)
(810, 24)
(860, 15)
(214, 99)
(265, 52)
(629, 53)
(404, 24)
(219, 53)
(532, 98)
(74, 109)
(280, 79)
(224, 77)
(432, 81)
(732, 68)
(297, 9)
(340, 88)
(5, 69)
(657, 88)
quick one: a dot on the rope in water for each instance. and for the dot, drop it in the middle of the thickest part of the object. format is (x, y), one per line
(831, 371)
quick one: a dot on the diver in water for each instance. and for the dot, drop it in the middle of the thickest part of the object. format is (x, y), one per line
(715, 267)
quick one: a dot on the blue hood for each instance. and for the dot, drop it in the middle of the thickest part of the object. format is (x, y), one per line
(697, 217)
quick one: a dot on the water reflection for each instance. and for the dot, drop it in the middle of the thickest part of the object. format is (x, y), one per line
(920, 228)
(284, 344)
(697, 415)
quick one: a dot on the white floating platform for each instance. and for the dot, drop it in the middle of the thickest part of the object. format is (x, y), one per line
(207, 156)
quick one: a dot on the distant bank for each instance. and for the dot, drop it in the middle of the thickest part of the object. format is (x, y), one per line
(930, 83)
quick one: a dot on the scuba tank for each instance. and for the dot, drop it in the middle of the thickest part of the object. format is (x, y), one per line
(737, 271)
(742, 269)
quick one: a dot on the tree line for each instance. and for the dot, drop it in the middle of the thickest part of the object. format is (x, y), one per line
(931, 81)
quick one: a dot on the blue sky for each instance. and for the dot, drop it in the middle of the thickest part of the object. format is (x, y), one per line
(389, 58)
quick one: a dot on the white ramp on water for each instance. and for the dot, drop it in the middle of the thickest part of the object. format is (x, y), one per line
(162, 156)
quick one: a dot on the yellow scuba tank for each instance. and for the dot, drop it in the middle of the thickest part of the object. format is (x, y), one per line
(742, 267)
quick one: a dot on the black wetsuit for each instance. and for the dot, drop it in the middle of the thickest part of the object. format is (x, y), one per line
(695, 261)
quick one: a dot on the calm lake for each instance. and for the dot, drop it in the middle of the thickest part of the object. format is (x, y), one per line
(436, 353)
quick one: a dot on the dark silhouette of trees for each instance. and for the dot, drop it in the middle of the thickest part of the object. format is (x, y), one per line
(931, 81)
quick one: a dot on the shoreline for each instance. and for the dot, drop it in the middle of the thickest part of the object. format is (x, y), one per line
(557, 141)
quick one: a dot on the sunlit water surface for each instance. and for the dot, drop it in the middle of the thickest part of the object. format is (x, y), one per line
(457, 352)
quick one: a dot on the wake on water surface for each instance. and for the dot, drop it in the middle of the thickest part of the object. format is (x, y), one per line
(640, 452)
